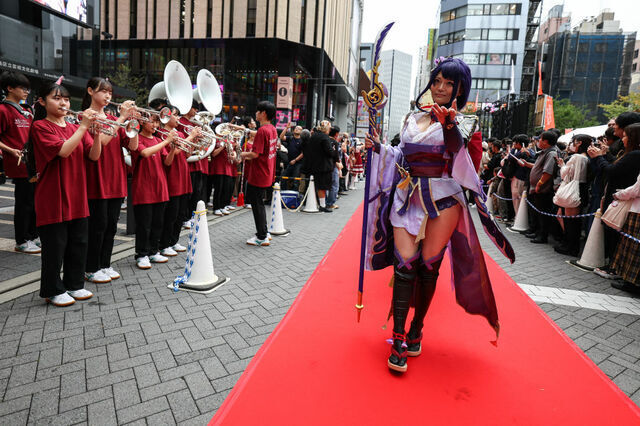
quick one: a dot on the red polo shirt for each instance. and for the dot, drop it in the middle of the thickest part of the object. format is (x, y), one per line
(61, 191)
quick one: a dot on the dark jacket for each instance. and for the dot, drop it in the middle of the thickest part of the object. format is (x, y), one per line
(620, 174)
(319, 155)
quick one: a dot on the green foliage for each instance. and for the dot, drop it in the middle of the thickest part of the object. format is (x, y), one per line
(622, 104)
(123, 77)
(570, 116)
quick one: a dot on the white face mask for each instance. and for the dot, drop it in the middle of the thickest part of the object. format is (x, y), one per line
(572, 148)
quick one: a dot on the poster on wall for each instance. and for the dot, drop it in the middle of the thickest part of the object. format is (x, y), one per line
(282, 119)
(75, 9)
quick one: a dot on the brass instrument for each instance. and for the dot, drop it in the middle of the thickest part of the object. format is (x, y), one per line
(164, 115)
(183, 144)
(109, 127)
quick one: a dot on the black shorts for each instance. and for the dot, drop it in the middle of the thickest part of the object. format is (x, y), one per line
(323, 180)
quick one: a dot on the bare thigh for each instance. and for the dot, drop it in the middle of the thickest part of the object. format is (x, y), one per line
(439, 230)
(437, 235)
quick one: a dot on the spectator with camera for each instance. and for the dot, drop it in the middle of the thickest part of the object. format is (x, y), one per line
(541, 179)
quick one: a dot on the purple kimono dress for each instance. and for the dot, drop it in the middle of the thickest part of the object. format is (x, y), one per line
(412, 183)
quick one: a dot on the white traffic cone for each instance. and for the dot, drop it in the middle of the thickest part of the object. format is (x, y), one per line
(489, 203)
(311, 204)
(522, 218)
(199, 276)
(593, 253)
(276, 227)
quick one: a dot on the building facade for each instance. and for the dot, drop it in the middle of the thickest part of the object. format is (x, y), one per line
(43, 43)
(555, 22)
(247, 45)
(589, 67)
(635, 69)
(426, 56)
(490, 36)
(395, 74)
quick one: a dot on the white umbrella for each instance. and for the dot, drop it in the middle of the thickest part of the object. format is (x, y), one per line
(594, 131)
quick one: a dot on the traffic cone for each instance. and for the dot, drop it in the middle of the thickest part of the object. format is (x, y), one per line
(199, 276)
(311, 204)
(522, 218)
(489, 203)
(593, 253)
(277, 224)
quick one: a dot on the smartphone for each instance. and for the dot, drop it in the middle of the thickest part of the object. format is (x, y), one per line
(293, 124)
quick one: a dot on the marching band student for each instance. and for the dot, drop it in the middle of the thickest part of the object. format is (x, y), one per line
(179, 183)
(222, 170)
(61, 194)
(106, 184)
(261, 163)
(197, 170)
(150, 193)
(15, 121)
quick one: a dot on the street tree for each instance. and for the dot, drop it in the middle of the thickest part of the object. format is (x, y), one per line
(570, 116)
(125, 78)
(622, 104)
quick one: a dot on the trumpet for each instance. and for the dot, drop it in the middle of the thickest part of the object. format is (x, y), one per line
(228, 129)
(164, 115)
(109, 127)
(183, 144)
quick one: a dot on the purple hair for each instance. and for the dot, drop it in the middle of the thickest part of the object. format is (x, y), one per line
(453, 69)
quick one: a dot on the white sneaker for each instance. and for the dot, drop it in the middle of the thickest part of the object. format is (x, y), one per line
(209, 204)
(179, 248)
(28, 248)
(37, 242)
(123, 206)
(247, 206)
(230, 208)
(158, 258)
(254, 241)
(112, 273)
(187, 225)
(269, 237)
(82, 294)
(225, 211)
(218, 212)
(143, 262)
(98, 277)
(61, 300)
(169, 252)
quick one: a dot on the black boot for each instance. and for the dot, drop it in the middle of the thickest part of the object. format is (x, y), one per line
(425, 288)
(404, 280)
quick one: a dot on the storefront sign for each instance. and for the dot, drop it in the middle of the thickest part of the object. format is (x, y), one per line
(18, 67)
(284, 96)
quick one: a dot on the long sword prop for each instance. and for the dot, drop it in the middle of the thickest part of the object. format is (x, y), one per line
(375, 100)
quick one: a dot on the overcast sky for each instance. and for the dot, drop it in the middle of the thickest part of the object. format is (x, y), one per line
(414, 17)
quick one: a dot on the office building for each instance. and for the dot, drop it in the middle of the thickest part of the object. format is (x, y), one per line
(42, 43)
(591, 64)
(426, 56)
(635, 70)
(395, 74)
(555, 22)
(247, 45)
(491, 36)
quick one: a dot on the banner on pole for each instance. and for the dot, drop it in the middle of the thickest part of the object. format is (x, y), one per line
(549, 119)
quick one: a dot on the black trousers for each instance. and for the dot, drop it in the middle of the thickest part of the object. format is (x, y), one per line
(209, 188)
(544, 203)
(149, 221)
(198, 184)
(63, 243)
(254, 196)
(24, 213)
(103, 225)
(222, 191)
(173, 220)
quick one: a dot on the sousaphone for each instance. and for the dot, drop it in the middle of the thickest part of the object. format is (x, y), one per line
(208, 92)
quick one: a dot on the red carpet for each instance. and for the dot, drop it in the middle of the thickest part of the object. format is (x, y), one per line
(320, 367)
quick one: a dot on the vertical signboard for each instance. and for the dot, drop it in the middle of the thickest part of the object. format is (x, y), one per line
(284, 95)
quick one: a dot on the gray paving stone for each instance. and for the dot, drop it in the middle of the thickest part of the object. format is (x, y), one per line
(142, 410)
(44, 404)
(85, 398)
(162, 418)
(21, 374)
(164, 388)
(15, 405)
(109, 379)
(126, 394)
(103, 413)
(73, 383)
(199, 385)
(182, 405)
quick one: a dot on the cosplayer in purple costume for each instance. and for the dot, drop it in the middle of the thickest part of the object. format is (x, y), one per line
(417, 209)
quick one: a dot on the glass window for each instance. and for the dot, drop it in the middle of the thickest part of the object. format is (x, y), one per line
(482, 58)
(495, 59)
(472, 34)
(492, 83)
(583, 47)
(514, 9)
(458, 36)
(471, 58)
(499, 9)
(497, 34)
(475, 9)
(635, 54)
(487, 9)
(462, 11)
(505, 84)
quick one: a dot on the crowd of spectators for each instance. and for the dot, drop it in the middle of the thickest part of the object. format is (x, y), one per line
(570, 182)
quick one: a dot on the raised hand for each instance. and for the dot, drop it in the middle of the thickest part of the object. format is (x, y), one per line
(442, 113)
(369, 139)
